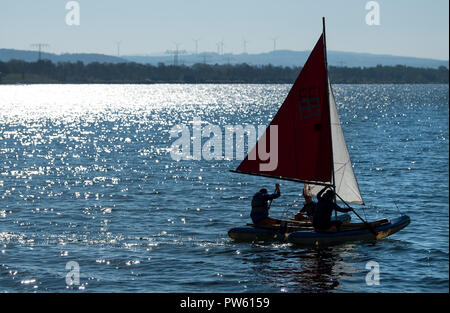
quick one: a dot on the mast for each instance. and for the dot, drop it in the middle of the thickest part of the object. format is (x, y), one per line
(328, 98)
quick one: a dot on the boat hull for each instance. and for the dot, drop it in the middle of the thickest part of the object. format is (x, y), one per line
(254, 233)
(251, 233)
(313, 238)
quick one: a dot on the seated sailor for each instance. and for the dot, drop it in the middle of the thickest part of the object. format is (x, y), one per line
(260, 207)
(324, 209)
(309, 206)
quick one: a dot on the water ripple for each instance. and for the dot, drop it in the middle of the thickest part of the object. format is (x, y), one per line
(86, 176)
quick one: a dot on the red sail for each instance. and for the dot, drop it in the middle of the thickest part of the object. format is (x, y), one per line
(303, 125)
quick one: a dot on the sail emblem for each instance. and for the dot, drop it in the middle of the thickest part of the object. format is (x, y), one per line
(309, 102)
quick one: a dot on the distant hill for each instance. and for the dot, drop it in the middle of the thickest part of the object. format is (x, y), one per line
(32, 56)
(293, 58)
(277, 58)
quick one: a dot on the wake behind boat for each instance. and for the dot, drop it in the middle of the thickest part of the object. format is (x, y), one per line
(311, 150)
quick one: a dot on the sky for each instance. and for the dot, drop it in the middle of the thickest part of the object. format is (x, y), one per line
(417, 28)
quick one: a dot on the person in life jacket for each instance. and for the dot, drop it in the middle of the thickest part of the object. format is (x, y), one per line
(309, 206)
(325, 206)
(260, 207)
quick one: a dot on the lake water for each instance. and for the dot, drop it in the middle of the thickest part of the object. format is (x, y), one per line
(86, 176)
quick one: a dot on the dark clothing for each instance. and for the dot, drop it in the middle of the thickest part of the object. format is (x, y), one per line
(324, 209)
(309, 208)
(260, 207)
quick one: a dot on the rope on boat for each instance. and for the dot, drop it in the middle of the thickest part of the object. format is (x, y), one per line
(283, 215)
(364, 212)
(398, 210)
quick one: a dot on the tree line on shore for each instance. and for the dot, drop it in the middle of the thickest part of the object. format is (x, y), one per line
(44, 71)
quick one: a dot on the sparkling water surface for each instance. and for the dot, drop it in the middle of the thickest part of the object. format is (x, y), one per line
(86, 175)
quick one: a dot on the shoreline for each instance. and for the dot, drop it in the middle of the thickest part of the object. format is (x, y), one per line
(46, 72)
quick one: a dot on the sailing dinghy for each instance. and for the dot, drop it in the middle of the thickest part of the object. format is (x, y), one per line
(312, 150)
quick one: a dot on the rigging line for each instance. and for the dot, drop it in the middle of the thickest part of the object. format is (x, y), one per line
(283, 215)
(364, 212)
(398, 210)
(342, 177)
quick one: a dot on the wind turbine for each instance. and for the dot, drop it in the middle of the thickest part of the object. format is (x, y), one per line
(220, 45)
(196, 45)
(274, 39)
(118, 43)
(245, 42)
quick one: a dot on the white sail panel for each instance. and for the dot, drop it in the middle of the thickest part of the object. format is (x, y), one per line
(346, 185)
